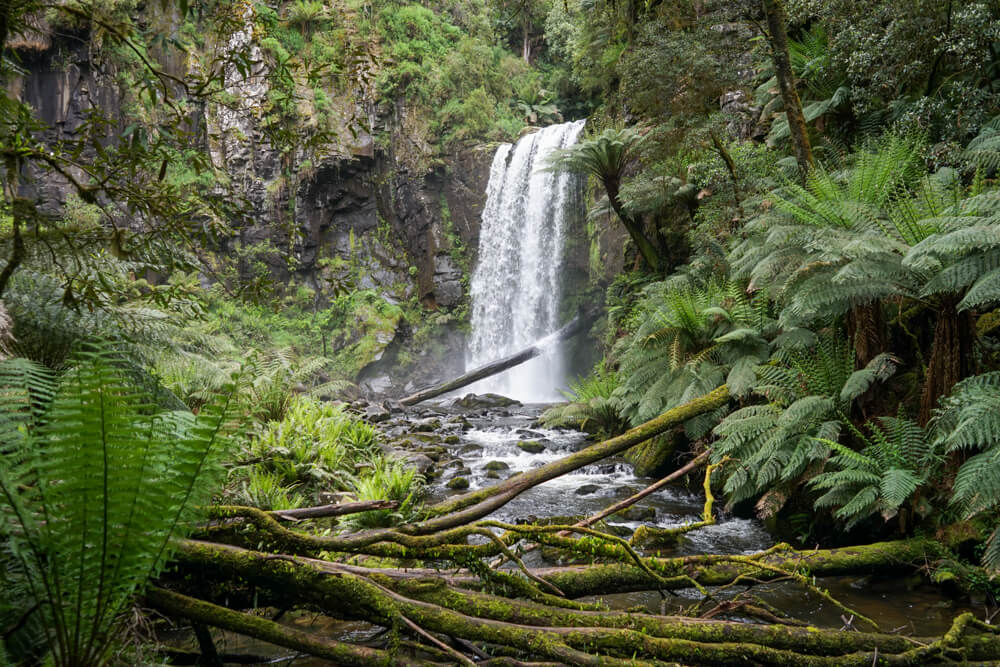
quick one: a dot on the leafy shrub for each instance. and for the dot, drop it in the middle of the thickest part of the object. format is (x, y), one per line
(388, 479)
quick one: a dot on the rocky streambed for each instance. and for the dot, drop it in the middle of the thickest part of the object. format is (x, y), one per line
(472, 442)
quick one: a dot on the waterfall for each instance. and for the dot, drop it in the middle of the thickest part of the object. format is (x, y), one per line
(516, 286)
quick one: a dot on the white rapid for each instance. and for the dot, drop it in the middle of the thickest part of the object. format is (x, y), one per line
(516, 286)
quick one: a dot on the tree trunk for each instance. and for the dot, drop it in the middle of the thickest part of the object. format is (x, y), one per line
(575, 326)
(951, 355)
(632, 225)
(786, 83)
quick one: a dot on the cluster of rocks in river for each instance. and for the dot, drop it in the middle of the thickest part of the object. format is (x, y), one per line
(429, 438)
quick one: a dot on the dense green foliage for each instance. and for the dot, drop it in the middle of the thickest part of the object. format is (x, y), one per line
(96, 485)
(852, 311)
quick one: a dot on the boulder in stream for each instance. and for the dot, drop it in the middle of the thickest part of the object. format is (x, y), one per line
(496, 465)
(458, 483)
(587, 489)
(531, 446)
(481, 401)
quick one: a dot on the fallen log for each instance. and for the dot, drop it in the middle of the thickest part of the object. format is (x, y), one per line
(707, 570)
(340, 509)
(579, 323)
(455, 513)
(572, 636)
(182, 606)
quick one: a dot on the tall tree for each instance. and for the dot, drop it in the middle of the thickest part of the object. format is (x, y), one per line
(775, 13)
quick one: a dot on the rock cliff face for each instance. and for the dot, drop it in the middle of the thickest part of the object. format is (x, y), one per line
(405, 232)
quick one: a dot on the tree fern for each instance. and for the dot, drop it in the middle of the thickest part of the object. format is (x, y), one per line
(694, 336)
(969, 421)
(897, 459)
(809, 383)
(95, 492)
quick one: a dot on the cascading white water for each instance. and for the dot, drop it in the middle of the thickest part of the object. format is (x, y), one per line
(516, 284)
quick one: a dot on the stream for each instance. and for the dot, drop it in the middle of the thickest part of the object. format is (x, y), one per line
(905, 604)
(485, 445)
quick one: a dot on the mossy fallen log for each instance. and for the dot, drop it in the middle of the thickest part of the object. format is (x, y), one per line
(711, 570)
(584, 637)
(341, 653)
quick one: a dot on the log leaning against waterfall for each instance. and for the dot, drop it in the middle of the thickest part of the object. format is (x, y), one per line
(582, 320)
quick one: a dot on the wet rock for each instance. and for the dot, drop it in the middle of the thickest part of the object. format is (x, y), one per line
(429, 438)
(480, 401)
(396, 431)
(426, 425)
(470, 449)
(452, 440)
(587, 489)
(460, 421)
(421, 462)
(492, 474)
(458, 483)
(496, 465)
(434, 453)
(531, 446)
(376, 414)
(528, 433)
(636, 514)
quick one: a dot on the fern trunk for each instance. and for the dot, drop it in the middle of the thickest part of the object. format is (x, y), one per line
(951, 355)
(632, 225)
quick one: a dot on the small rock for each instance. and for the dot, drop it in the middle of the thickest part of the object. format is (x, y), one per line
(470, 449)
(476, 401)
(492, 474)
(460, 421)
(496, 465)
(458, 483)
(528, 433)
(421, 462)
(531, 446)
(587, 489)
(451, 440)
(637, 514)
(426, 425)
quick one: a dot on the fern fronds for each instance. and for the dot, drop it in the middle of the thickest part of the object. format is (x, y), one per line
(101, 487)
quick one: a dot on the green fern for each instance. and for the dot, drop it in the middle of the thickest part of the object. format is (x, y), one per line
(94, 490)
(809, 384)
(897, 459)
(694, 337)
(590, 405)
(969, 421)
